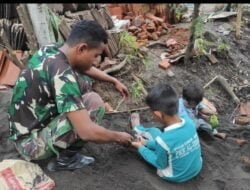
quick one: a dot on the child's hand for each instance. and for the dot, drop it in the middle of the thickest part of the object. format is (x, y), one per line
(139, 141)
(136, 144)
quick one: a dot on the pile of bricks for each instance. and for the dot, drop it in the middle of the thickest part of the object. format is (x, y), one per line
(144, 24)
(148, 27)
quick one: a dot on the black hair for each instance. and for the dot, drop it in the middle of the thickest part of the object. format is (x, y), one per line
(193, 92)
(87, 31)
(163, 98)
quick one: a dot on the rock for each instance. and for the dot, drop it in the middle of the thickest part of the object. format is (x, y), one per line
(155, 36)
(164, 64)
(245, 81)
(138, 21)
(212, 58)
(132, 28)
(210, 36)
(171, 42)
(170, 73)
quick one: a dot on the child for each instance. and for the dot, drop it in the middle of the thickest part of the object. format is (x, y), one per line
(193, 105)
(175, 150)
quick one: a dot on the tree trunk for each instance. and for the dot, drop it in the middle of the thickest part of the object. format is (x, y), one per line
(192, 33)
(238, 21)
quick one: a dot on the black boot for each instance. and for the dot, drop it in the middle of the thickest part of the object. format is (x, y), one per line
(69, 160)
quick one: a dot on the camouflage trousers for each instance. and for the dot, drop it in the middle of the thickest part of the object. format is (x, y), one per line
(59, 133)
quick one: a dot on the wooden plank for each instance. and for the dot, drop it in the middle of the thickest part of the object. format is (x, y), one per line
(28, 28)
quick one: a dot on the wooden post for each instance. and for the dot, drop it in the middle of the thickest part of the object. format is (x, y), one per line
(190, 45)
(39, 16)
(238, 21)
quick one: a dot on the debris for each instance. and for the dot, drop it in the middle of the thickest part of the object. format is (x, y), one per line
(9, 72)
(170, 73)
(242, 120)
(117, 67)
(138, 80)
(212, 58)
(154, 18)
(164, 64)
(20, 174)
(156, 43)
(129, 111)
(246, 159)
(225, 29)
(27, 25)
(244, 114)
(238, 141)
(225, 85)
(171, 42)
(107, 63)
(119, 104)
(108, 107)
(222, 15)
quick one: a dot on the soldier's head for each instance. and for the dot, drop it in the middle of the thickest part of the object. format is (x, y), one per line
(86, 42)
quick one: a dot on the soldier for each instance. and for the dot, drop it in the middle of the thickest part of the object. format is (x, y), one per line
(53, 110)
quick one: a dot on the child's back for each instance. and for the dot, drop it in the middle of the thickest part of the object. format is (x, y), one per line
(181, 143)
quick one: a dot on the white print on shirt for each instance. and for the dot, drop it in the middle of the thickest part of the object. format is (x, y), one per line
(186, 148)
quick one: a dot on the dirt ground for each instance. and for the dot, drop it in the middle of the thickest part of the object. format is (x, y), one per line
(121, 168)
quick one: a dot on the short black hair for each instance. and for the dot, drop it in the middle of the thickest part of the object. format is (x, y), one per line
(193, 92)
(87, 31)
(163, 97)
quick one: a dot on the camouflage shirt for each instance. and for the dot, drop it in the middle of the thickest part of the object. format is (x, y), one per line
(45, 88)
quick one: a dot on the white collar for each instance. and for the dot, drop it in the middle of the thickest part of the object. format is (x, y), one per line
(175, 126)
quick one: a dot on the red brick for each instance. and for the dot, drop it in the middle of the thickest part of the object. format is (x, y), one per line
(164, 64)
(115, 11)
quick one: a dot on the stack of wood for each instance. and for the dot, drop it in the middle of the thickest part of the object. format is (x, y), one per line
(15, 35)
(148, 27)
(8, 11)
(102, 16)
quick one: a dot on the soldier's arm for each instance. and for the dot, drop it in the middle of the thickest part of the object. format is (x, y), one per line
(90, 131)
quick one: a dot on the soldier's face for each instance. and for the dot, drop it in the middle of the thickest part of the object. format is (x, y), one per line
(85, 57)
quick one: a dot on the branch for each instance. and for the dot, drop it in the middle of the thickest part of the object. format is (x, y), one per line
(117, 67)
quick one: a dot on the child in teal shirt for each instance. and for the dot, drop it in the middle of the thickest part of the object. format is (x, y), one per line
(175, 150)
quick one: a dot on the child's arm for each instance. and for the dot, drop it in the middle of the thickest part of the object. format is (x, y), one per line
(157, 157)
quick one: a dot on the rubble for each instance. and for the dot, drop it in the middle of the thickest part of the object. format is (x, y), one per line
(244, 114)
(9, 72)
(164, 64)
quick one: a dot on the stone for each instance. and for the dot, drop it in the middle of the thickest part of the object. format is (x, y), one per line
(164, 64)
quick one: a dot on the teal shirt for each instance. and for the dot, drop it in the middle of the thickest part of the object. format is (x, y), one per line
(175, 152)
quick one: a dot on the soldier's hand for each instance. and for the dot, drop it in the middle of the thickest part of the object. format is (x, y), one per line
(124, 138)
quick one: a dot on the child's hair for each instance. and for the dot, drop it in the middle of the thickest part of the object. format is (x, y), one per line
(193, 92)
(163, 98)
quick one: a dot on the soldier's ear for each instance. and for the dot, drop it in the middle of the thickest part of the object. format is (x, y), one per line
(81, 48)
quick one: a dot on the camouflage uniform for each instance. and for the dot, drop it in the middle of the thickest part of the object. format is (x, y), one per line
(44, 92)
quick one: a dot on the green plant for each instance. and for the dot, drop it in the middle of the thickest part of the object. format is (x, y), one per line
(136, 90)
(200, 46)
(128, 43)
(146, 61)
(222, 47)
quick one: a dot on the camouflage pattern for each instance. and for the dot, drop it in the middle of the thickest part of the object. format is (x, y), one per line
(59, 133)
(46, 89)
